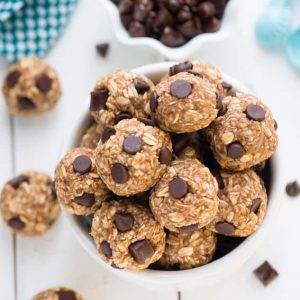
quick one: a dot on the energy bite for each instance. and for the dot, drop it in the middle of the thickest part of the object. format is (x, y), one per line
(127, 236)
(28, 204)
(121, 95)
(132, 157)
(184, 103)
(59, 293)
(92, 136)
(79, 187)
(185, 195)
(242, 203)
(188, 250)
(244, 135)
(31, 87)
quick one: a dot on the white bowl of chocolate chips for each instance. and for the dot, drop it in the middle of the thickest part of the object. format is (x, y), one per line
(231, 252)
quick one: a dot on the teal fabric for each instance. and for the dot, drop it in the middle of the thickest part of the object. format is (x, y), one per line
(31, 27)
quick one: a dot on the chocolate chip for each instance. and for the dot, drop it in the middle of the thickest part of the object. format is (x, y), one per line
(212, 26)
(255, 205)
(137, 29)
(162, 19)
(255, 112)
(293, 189)
(183, 67)
(180, 88)
(126, 20)
(15, 182)
(102, 49)
(44, 83)
(119, 173)
(53, 190)
(85, 199)
(124, 221)
(82, 164)
(190, 28)
(132, 144)
(188, 229)
(227, 86)
(165, 156)
(98, 99)
(184, 14)
(24, 103)
(141, 250)
(141, 86)
(107, 133)
(171, 37)
(219, 5)
(206, 10)
(266, 273)
(12, 78)
(66, 295)
(231, 93)
(146, 121)
(173, 5)
(124, 115)
(222, 110)
(16, 223)
(142, 9)
(275, 125)
(178, 188)
(225, 228)
(105, 249)
(235, 150)
(180, 142)
(153, 101)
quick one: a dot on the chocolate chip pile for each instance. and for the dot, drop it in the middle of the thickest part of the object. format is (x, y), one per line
(170, 175)
(172, 22)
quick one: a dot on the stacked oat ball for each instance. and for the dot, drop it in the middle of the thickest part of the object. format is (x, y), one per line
(143, 171)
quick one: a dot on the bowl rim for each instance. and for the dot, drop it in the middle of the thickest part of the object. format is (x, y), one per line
(232, 260)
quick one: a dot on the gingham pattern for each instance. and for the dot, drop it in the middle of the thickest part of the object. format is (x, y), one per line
(31, 27)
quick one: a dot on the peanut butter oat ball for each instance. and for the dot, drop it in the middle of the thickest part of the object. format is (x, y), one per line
(59, 293)
(244, 135)
(132, 157)
(242, 203)
(79, 188)
(127, 236)
(188, 250)
(31, 87)
(185, 195)
(184, 103)
(92, 136)
(120, 95)
(28, 204)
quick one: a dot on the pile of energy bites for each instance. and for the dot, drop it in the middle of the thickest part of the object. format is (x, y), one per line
(167, 168)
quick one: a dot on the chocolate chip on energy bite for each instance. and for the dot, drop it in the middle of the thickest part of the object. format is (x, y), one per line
(124, 115)
(255, 205)
(98, 99)
(119, 173)
(188, 229)
(24, 103)
(16, 223)
(15, 182)
(180, 88)
(44, 83)
(82, 164)
(124, 221)
(132, 144)
(255, 112)
(235, 150)
(293, 189)
(227, 86)
(53, 189)
(165, 156)
(66, 295)
(224, 228)
(105, 249)
(85, 199)
(141, 86)
(153, 101)
(12, 78)
(141, 250)
(185, 66)
(178, 188)
(107, 133)
(146, 121)
(102, 49)
(266, 273)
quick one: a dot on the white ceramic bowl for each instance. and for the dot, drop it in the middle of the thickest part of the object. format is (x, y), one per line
(228, 21)
(201, 276)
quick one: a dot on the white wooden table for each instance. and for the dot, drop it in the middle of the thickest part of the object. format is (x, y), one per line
(29, 265)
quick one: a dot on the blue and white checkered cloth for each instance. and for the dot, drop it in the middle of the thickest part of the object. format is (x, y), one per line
(31, 27)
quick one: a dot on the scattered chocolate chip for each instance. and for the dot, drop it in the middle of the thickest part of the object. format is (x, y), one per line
(212, 26)
(184, 14)
(53, 190)
(227, 86)
(162, 19)
(102, 49)
(15, 182)
(137, 29)
(107, 133)
(98, 99)
(255, 112)
(119, 173)
(105, 249)
(12, 78)
(225, 228)
(235, 150)
(141, 86)
(180, 142)
(165, 156)
(44, 83)
(85, 199)
(178, 188)
(82, 164)
(255, 205)
(132, 144)
(66, 295)
(141, 250)
(266, 273)
(206, 10)
(147, 122)
(173, 5)
(190, 28)
(188, 229)
(172, 38)
(183, 67)
(124, 221)
(222, 110)
(180, 88)
(124, 115)
(25, 103)
(142, 10)
(275, 125)
(153, 101)
(293, 189)
(16, 223)
(126, 6)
